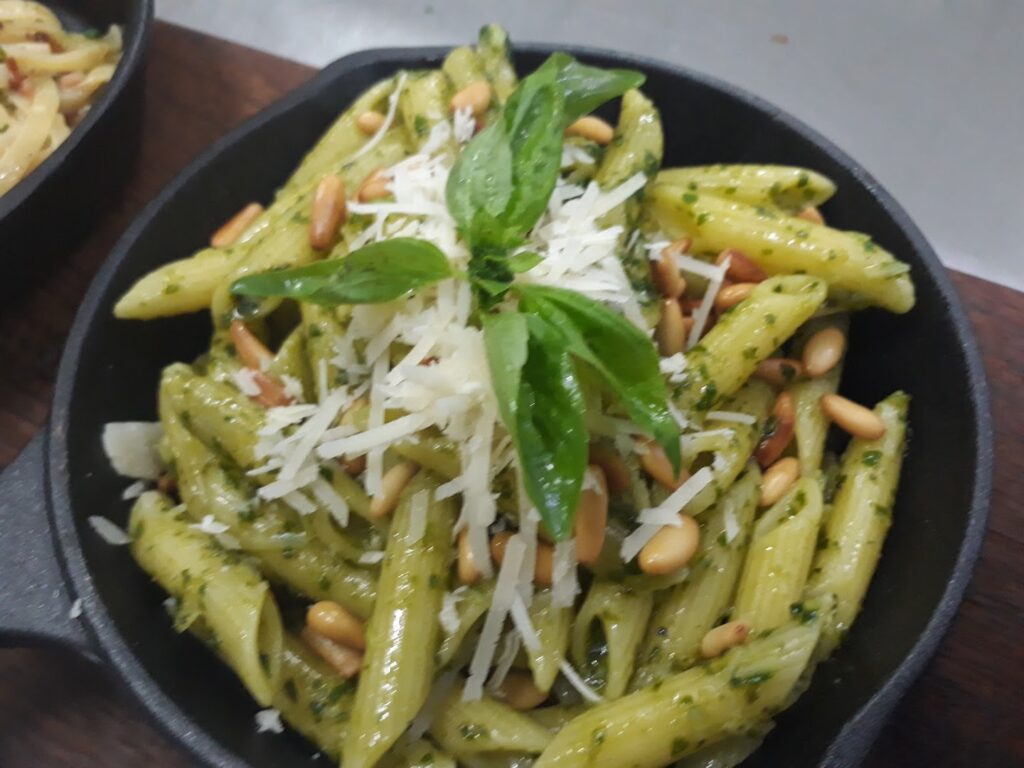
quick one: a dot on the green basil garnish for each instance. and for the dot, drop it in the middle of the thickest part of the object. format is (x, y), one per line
(380, 272)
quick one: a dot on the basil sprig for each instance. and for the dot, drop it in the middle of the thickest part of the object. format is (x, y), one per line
(379, 272)
(497, 190)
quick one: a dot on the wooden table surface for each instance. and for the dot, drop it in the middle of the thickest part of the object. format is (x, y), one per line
(56, 711)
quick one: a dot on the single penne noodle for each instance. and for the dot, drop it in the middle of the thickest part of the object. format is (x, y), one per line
(619, 616)
(811, 425)
(487, 725)
(782, 186)
(778, 560)
(553, 625)
(404, 633)
(688, 610)
(782, 244)
(313, 698)
(860, 517)
(751, 332)
(220, 597)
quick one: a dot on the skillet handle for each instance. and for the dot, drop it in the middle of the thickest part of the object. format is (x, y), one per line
(35, 603)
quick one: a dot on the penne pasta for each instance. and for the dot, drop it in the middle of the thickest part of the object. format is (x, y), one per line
(508, 527)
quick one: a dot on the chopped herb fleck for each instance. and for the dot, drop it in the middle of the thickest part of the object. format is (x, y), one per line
(871, 458)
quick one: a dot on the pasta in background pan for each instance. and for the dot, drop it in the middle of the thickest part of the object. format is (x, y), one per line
(509, 448)
(48, 79)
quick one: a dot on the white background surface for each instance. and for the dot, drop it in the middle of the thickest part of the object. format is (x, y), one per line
(927, 94)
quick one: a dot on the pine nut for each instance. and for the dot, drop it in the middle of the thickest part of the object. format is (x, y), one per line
(811, 214)
(391, 487)
(615, 471)
(328, 213)
(778, 479)
(251, 351)
(476, 96)
(345, 661)
(543, 566)
(731, 295)
(823, 351)
(688, 322)
(671, 548)
(720, 639)
(677, 247)
(592, 129)
(370, 122)
(592, 519)
(656, 464)
(71, 79)
(167, 483)
(780, 371)
(331, 620)
(354, 465)
(519, 691)
(783, 424)
(671, 331)
(468, 571)
(666, 278)
(233, 228)
(375, 186)
(741, 269)
(853, 417)
(272, 394)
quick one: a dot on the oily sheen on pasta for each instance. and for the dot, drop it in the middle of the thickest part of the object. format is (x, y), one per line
(511, 448)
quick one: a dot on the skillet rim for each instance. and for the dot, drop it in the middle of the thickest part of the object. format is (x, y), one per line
(132, 58)
(855, 737)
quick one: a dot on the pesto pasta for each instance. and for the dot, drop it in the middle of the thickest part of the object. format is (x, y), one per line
(510, 447)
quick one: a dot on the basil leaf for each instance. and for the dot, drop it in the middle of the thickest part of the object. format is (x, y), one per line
(617, 350)
(480, 186)
(524, 261)
(542, 407)
(550, 431)
(379, 272)
(505, 339)
(587, 88)
(534, 120)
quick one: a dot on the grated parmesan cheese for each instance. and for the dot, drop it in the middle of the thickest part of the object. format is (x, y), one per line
(331, 500)
(523, 624)
(135, 490)
(501, 603)
(299, 502)
(736, 416)
(449, 614)
(674, 504)
(564, 578)
(281, 488)
(111, 533)
(389, 118)
(209, 525)
(269, 720)
(245, 380)
(703, 312)
(510, 646)
(464, 125)
(673, 367)
(133, 448)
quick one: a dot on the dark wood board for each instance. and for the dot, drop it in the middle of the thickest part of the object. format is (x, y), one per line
(57, 711)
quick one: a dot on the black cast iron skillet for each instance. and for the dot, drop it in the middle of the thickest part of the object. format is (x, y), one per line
(110, 370)
(58, 201)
